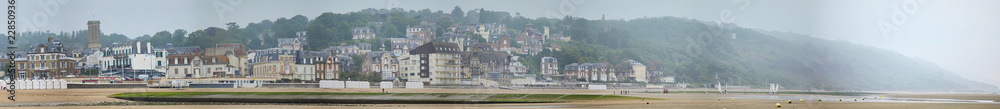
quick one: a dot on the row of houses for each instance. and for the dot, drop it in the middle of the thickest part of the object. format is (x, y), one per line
(628, 70)
(454, 57)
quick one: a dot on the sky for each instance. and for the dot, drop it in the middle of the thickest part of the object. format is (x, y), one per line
(962, 36)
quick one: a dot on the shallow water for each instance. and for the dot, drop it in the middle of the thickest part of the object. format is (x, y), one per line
(536, 106)
(795, 98)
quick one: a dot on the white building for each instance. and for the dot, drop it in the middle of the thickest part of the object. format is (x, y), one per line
(517, 67)
(380, 63)
(549, 66)
(408, 66)
(133, 56)
(440, 63)
(305, 65)
(362, 33)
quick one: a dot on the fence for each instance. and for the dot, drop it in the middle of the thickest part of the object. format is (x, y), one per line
(290, 85)
(358, 84)
(37, 84)
(597, 87)
(385, 85)
(345, 84)
(414, 85)
(212, 85)
(331, 84)
(106, 85)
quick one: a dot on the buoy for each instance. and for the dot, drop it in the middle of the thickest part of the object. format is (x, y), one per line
(734, 100)
(855, 99)
(819, 99)
(777, 104)
(800, 100)
(841, 99)
(789, 101)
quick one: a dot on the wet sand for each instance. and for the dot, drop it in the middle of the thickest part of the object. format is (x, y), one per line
(675, 100)
(952, 96)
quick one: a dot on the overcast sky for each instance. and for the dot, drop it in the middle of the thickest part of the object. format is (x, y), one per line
(960, 35)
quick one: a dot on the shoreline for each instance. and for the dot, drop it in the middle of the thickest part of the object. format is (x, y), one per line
(51, 98)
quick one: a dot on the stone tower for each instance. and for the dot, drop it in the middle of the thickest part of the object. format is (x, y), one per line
(94, 34)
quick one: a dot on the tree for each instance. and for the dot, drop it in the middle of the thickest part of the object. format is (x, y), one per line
(161, 38)
(286, 28)
(198, 38)
(391, 31)
(178, 38)
(232, 26)
(442, 24)
(478, 38)
(143, 37)
(112, 38)
(457, 13)
(319, 36)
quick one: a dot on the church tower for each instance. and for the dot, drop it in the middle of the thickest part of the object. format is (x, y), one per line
(94, 34)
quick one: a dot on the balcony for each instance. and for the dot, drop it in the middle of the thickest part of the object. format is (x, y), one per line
(446, 76)
(450, 63)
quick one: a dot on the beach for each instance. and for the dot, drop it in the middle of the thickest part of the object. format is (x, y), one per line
(45, 99)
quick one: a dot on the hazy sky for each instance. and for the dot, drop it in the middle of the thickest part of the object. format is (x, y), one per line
(959, 35)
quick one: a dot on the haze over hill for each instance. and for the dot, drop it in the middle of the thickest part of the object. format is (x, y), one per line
(967, 46)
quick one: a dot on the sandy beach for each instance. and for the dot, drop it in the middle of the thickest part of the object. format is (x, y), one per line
(674, 100)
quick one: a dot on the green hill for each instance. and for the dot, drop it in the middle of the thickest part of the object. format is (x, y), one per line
(696, 51)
